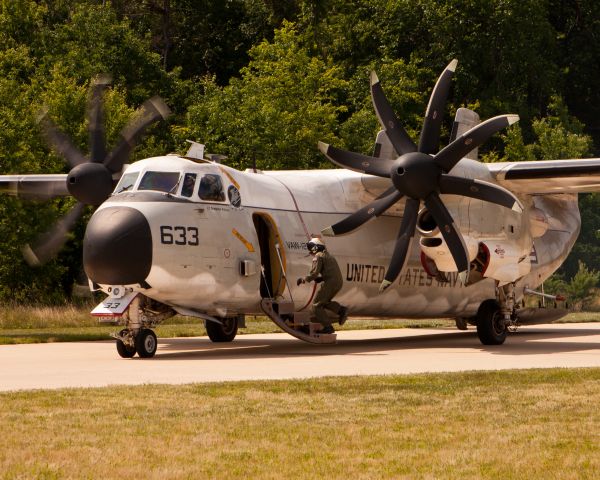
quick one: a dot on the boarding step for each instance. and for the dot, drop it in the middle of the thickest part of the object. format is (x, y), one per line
(297, 324)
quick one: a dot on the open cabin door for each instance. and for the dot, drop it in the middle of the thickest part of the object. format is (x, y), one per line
(272, 281)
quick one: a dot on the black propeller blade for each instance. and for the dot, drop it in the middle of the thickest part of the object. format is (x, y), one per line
(366, 213)
(91, 180)
(481, 190)
(473, 138)
(356, 161)
(430, 133)
(421, 175)
(447, 227)
(387, 118)
(405, 236)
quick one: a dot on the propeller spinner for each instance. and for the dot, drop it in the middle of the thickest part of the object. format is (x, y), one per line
(421, 175)
(91, 179)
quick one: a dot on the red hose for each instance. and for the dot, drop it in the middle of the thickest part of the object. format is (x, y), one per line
(312, 295)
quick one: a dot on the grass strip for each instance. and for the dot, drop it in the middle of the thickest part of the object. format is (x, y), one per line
(506, 425)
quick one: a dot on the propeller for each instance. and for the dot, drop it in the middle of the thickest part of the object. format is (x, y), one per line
(421, 175)
(91, 178)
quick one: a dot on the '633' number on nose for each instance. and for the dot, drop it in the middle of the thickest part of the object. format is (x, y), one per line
(178, 235)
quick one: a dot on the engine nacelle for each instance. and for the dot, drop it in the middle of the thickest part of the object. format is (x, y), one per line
(502, 261)
(434, 247)
(538, 222)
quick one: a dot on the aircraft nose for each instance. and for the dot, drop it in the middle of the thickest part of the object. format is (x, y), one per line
(117, 247)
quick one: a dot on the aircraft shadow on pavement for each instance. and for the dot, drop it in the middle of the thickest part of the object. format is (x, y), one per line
(525, 342)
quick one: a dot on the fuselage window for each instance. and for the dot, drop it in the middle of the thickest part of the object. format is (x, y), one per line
(211, 188)
(127, 182)
(187, 189)
(159, 181)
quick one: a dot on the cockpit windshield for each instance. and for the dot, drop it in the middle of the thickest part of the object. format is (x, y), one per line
(159, 181)
(127, 182)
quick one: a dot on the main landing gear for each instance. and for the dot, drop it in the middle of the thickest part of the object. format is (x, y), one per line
(224, 331)
(496, 317)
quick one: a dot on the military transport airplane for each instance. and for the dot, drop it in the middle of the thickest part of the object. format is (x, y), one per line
(417, 232)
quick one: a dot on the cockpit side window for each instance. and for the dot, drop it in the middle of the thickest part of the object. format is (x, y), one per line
(127, 182)
(159, 181)
(211, 188)
(189, 181)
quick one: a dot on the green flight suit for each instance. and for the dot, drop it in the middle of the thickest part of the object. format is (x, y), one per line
(326, 267)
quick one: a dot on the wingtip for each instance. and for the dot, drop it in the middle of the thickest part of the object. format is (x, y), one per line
(452, 65)
(373, 78)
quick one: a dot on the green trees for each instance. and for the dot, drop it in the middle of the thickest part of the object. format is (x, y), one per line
(283, 104)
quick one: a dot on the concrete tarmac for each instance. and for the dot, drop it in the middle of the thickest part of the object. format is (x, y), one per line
(279, 356)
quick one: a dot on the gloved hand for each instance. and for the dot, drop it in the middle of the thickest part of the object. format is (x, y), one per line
(300, 281)
(318, 279)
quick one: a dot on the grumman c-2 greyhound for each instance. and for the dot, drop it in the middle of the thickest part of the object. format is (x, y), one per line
(187, 235)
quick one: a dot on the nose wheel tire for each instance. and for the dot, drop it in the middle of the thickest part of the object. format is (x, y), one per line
(222, 333)
(491, 328)
(146, 343)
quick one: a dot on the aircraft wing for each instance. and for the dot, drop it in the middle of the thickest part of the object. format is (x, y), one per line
(35, 187)
(548, 176)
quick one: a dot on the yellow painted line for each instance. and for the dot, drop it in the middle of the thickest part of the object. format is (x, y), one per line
(241, 238)
(230, 177)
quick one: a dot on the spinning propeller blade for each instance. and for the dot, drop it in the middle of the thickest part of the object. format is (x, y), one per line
(91, 180)
(50, 243)
(151, 111)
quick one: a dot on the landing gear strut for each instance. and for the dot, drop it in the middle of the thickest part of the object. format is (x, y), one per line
(138, 337)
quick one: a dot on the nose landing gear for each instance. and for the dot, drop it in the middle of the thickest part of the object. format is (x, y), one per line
(144, 343)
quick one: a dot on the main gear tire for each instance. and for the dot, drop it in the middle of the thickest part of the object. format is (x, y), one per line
(146, 343)
(225, 332)
(491, 328)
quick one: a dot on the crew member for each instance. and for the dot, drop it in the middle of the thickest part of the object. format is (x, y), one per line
(325, 269)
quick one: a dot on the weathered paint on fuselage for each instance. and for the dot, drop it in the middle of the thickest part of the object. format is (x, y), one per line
(206, 277)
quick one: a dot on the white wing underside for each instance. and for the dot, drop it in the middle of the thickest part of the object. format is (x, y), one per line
(548, 176)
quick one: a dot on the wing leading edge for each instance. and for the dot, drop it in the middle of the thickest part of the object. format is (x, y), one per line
(35, 187)
(549, 176)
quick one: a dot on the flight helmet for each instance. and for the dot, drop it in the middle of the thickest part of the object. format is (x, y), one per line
(315, 245)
